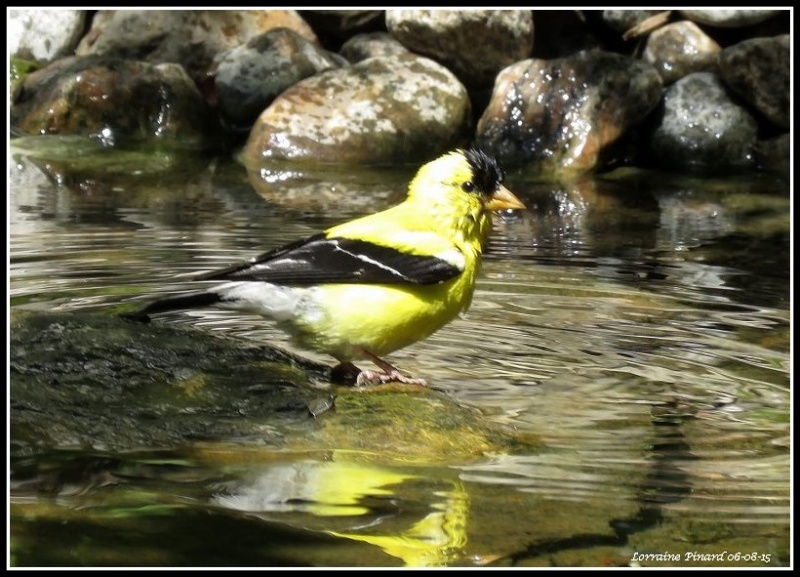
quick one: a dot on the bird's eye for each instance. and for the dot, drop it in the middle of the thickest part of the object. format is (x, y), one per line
(468, 186)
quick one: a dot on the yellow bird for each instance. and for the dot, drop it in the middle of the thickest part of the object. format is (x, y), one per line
(376, 284)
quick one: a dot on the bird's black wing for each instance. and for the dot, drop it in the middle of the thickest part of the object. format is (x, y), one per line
(320, 259)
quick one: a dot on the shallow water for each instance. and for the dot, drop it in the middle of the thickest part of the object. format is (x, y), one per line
(636, 324)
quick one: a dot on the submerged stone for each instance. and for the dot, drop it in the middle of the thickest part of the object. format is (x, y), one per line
(95, 382)
(92, 382)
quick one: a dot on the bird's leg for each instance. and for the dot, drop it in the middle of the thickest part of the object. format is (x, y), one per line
(390, 374)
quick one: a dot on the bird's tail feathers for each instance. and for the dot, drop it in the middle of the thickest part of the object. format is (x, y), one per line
(190, 301)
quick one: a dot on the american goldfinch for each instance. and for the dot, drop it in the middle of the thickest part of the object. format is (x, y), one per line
(373, 285)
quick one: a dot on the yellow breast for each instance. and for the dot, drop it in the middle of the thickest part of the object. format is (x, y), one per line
(341, 319)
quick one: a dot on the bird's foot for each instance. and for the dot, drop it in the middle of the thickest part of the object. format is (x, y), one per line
(367, 378)
(388, 373)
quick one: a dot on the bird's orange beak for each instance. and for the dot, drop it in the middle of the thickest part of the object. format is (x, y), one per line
(502, 199)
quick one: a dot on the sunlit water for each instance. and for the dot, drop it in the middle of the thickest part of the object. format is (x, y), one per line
(639, 327)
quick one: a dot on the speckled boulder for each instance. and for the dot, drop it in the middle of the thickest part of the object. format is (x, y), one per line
(370, 44)
(249, 77)
(558, 116)
(387, 109)
(702, 128)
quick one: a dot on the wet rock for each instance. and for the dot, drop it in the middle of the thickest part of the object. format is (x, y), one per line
(114, 101)
(191, 38)
(390, 420)
(558, 116)
(89, 381)
(702, 128)
(387, 109)
(758, 70)
(474, 44)
(370, 44)
(679, 49)
(44, 35)
(729, 18)
(249, 77)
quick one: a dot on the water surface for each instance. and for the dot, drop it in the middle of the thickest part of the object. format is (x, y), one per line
(636, 324)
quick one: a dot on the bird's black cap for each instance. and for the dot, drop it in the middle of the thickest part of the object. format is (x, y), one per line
(486, 173)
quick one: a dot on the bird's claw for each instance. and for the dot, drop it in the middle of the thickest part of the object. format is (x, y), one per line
(367, 378)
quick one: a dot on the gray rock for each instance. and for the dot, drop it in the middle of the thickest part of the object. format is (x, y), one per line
(759, 71)
(702, 128)
(474, 44)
